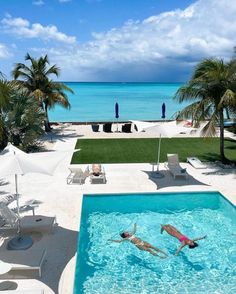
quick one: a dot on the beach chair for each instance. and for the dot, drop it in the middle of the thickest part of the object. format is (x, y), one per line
(77, 175)
(195, 162)
(174, 167)
(95, 127)
(126, 128)
(23, 262)
(37, 223)
(107, 127)
(7, 199)
(97, 175)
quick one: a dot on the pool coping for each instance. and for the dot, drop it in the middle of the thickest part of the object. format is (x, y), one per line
(161, 192)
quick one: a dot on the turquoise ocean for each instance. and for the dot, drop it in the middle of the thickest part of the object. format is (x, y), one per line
(137, 101)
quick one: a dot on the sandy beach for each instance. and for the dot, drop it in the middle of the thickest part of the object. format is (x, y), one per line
(56, 198)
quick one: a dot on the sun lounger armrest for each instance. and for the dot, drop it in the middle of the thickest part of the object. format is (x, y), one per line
(69, 179)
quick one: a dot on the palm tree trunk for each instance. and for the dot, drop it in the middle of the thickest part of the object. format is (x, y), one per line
(227, 113)
(222, 154)
(46, 121)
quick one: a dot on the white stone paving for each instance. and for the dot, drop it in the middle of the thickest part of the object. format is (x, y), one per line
(64, 201)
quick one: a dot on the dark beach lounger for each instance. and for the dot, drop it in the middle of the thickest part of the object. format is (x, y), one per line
(126, 128)
(107, 127)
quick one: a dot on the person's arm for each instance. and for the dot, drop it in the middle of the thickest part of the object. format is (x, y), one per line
(179, 249)
(200, 238)
(134, 229)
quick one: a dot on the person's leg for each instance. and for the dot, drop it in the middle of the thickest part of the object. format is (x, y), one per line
(151, 251)
(164, 228)
(170, 230)
(159, 250)
(155, 254)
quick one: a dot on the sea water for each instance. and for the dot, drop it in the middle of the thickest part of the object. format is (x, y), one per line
(121, 268)
(137, 101)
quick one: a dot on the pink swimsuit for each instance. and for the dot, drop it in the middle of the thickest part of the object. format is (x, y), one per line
(183, 238)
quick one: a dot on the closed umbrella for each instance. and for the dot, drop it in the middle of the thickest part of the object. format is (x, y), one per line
(163, 110)
(117, 114)
(168, 129)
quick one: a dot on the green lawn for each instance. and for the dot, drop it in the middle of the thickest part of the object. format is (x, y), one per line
(145, 150)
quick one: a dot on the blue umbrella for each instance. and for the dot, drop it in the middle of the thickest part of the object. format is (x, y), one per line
(163, 110)
(117, 110)
(117, 114)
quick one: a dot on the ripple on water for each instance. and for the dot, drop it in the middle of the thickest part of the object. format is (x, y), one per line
(122, 268)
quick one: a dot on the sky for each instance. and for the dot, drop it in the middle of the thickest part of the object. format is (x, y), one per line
(117, 40)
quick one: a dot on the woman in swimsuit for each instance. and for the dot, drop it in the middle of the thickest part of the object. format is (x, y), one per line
(142, 245)
(182, 239)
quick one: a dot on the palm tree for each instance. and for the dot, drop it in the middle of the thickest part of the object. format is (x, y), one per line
(20, 117)
(212, 90)
(6, 90)
(36, 79)
(24, 120)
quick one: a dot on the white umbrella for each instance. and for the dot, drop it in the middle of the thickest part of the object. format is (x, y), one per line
(166, 129)
(16, 162)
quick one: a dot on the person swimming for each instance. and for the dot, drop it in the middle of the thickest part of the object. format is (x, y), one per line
(140, 244)
(171, 230)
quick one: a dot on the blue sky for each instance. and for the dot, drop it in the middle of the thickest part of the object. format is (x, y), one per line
(117, 40)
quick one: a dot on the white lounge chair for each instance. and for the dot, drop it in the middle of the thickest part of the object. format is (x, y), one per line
(195, 162)
(23, 262)
(174, 167)
(37, 223)
(97, 174)
(77, 175)
(7, 199)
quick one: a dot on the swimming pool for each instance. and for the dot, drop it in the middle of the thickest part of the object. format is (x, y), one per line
(107, 267)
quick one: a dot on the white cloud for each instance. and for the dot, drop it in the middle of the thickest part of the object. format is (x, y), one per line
(22, 28)
(38, 2)
(163, 45)
(64, 1)
(4, 51)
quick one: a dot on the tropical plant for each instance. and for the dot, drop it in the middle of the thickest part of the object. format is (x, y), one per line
(212, 90)
(20, 117)
(24, 120)
(36, 78)
(6, 90)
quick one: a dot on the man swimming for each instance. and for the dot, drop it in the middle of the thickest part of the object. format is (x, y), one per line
(182, 238)
(140, 244)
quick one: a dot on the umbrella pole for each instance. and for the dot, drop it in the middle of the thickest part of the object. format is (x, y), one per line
(17, 196)
(159, 152)
(18, 205)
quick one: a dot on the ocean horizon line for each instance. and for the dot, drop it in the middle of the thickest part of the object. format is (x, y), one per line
(121, 82)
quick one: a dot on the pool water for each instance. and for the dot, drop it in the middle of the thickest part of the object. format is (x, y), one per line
(119, 268)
